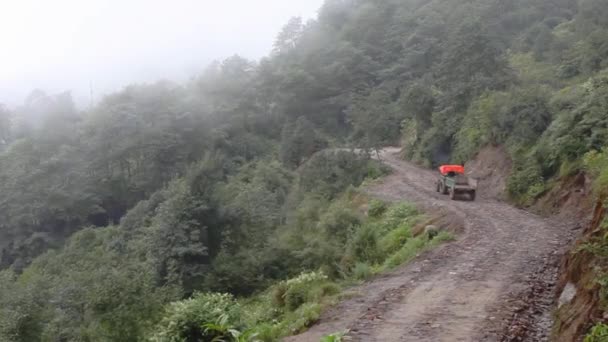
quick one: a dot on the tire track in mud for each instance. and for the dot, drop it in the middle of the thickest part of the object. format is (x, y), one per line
(474, 289)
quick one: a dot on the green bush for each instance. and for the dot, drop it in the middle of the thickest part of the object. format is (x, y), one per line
(328, 289)
(293, 323)
(407, 252)
(596, 164)
(260, 309)
(295, 296)
(526, 182)
(321, 293)
(396, 215)
(302, 318)
(185, 320)
(301, 300)
(570, 168)
(362, 271)
(339, 221)
(376, 170)
(442, 237)
(395, 239)
(376, 208)
(222, 330)
(364, 245)
(267, 332)
(329, 173)
(278, 293)
(599, 333)
(307, 287)
(337, 337)
(379, 238)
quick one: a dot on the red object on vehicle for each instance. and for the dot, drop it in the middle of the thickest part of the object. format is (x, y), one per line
(446, 169)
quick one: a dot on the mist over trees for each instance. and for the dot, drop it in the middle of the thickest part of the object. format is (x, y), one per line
(162, 190)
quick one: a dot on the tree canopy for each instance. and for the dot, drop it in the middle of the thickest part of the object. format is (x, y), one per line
(223, 183)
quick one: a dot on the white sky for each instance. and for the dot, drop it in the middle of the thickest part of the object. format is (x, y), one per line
(59, 45)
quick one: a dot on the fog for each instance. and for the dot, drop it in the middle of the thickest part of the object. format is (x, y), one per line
(97, 46)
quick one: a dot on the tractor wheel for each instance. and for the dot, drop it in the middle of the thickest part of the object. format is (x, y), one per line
(438, 187)
(444, 189)
(452, 194)
(473, 195)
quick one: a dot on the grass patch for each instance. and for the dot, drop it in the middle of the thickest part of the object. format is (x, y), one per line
(362, 271)
(290, 307)
(336, 337)
(376, 208)
(599, 333)
(413, 247)
(409, 251)
(395, 239)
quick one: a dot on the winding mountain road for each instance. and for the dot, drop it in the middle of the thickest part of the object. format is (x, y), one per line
(495, 283)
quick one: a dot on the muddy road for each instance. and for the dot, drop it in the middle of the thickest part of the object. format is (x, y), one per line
(495, 283)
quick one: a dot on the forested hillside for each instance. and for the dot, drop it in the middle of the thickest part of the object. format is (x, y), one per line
(164, 190)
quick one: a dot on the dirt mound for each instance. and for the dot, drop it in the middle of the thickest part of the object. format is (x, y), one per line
(571, 197)
(491, 167)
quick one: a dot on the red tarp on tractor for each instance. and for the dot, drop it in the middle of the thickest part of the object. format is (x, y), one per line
(446, 169)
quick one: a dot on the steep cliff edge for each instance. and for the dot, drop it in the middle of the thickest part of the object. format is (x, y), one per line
(580, 286)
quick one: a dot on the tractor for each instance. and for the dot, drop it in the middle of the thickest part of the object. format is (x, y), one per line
(454, 182)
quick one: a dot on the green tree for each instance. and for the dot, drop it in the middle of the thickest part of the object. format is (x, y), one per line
(300, 141)
(5, 127)
(375, 120)
(289, 36)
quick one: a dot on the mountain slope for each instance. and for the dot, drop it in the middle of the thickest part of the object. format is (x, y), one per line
(109, 215)
(469, 290)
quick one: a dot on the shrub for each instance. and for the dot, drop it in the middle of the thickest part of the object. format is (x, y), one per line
(267, 332)
(278, 294)
(396, 215)
(318, 293)
(307, 277)
(185, 320)
(329, 289)
(306, 287)
(599, 333)
(303, 318)
(395, 239)
(295, 296)
(526, 182)
(376, 170)
(441, 238)
(260, 309)
(337, 337)
(570, 168)
(596, 164)
(376, 208)
(535, 191)
(303, 298)
(222, 330)
(407, 252)
(331, 172)
(362, 271)
(293, 323)
(364, 245)
(339, 221)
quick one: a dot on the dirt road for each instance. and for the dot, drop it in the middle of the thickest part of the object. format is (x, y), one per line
(495, 283)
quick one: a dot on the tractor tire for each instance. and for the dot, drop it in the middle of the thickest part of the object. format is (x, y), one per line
(452, 194)
(444, 190)
(438, 187)
(472, 194)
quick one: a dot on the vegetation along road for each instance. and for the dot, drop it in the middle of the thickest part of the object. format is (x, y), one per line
(495, 283)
